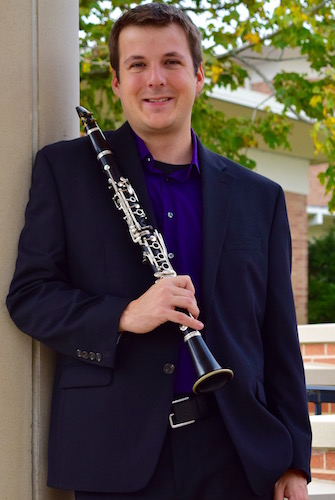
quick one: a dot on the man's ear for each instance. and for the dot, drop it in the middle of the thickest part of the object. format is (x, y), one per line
(200, 79)
(115, 83)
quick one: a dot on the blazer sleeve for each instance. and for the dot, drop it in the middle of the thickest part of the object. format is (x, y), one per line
(284, 372)
(41, 300)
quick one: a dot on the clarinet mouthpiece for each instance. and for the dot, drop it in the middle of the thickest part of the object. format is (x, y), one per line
(83, 112)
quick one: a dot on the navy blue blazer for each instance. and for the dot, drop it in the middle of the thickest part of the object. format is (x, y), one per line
(77, 270)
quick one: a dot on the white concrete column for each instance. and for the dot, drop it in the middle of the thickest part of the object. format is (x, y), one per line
(39, 89)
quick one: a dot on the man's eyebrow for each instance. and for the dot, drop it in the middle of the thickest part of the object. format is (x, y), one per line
(133, 58)
(174, 54)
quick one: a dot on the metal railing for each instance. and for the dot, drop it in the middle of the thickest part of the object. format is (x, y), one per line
(319, 394)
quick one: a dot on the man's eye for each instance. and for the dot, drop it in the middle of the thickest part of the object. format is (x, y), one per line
(137, 65)
(172, 62)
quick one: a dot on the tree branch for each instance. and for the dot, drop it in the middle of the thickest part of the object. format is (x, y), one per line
(273, 94)
(234, 52)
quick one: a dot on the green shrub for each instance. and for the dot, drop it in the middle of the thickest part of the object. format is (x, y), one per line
(321, 279)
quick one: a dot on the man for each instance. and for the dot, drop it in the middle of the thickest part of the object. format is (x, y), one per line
(81, 288)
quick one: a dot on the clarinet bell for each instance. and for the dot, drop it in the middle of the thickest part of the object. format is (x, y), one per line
(211, 376)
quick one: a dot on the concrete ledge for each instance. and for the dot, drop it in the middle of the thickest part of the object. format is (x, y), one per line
(321, 490)
(323, 429)
(317, 334)
(319, 373)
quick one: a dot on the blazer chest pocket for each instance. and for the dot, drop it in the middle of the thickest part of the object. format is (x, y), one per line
(84, 375)
(244, 242)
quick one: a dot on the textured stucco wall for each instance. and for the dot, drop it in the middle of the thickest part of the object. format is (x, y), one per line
(39, 89)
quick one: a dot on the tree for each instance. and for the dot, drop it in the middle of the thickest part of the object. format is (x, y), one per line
(233, 31)
(321, 280)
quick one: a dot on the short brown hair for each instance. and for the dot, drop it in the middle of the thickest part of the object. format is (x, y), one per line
(158, 15)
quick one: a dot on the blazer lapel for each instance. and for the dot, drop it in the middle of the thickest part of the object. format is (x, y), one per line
(123, 145)
(218, 188)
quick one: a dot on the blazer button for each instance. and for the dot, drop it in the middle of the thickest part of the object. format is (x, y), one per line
(79, 353)
(98, 357)
(92, 356)
(85, 355)
(168, 368)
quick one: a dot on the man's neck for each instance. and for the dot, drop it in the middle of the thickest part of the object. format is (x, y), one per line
(170, 149)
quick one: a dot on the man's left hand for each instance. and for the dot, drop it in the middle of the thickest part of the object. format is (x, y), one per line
(292, 485)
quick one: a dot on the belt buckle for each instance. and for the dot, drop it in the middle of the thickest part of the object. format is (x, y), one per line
(183, 424)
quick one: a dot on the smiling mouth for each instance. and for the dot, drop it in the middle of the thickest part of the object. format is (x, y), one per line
(161, 99)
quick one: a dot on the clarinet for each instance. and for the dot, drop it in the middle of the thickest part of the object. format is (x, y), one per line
(210, 375)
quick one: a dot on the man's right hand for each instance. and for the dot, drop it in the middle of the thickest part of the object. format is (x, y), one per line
(161, 303)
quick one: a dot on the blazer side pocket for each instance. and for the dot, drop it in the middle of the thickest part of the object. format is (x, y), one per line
(84, 375)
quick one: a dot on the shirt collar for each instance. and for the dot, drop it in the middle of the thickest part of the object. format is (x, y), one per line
(148, 160)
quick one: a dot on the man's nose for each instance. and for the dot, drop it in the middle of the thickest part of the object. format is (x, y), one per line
(156, 76)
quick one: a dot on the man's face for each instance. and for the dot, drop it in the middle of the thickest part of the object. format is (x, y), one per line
(157, 85)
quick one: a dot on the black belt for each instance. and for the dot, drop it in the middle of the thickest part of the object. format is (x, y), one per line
(188, 409)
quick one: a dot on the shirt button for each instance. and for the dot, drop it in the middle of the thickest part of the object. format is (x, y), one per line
(168, 368)
(170, 215)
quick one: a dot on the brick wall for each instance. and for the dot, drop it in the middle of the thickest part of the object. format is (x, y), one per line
(296, 209)
(323, 465)
(322, 352)
(262, 87)
(317, 196)
(317, 344)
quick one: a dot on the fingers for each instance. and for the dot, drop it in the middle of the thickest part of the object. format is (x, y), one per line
(170, 299)
(292, 485)
(182, 281)
(177, 295)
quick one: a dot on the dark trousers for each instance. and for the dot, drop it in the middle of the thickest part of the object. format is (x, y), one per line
(198, 462)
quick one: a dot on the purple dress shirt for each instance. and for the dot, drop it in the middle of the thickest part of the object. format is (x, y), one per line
(176, 196)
